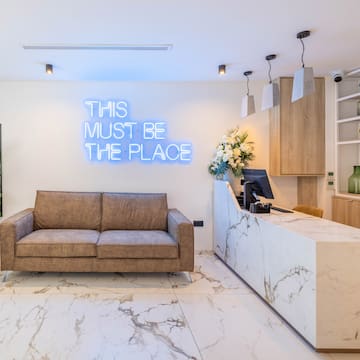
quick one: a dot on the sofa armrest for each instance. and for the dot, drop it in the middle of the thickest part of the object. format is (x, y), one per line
(12, 230)
(182, 230)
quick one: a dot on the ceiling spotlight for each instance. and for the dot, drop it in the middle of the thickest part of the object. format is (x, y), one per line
(247, 102)
(270, 96)
(222, 69)
(49, 69)
(304, 78)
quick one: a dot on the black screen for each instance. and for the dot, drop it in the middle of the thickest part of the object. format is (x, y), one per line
(256, 183)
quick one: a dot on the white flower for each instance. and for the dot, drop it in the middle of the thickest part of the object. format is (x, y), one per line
(232, 152)
(225, 157)
(236, 152)
(230, 140)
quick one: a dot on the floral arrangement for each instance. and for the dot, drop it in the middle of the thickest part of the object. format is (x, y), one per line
(233, 153)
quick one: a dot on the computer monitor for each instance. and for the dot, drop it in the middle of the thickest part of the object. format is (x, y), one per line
(256, 183)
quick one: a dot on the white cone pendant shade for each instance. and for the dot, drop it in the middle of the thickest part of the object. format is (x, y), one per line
(247, 101)
(247, 105)
(303, 83)
(271, 93)
(270, 96)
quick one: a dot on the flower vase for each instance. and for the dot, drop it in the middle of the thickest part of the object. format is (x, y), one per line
(234, 182)
(354, 181)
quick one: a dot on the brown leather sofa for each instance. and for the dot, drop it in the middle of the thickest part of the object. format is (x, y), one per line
(97, 232)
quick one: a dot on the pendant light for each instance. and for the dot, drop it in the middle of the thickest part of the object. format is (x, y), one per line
(303, 84)
(270, 95)
(247, 102)
(49, 69)
(222, 69)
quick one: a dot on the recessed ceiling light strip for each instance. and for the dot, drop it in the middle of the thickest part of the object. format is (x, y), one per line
(126, 47)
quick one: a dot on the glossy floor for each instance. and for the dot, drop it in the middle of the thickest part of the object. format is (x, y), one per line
(144, 316)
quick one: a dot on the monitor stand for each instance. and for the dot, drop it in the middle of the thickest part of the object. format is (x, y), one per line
(249, 195)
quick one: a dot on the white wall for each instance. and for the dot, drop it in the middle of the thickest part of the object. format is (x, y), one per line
(42, 144)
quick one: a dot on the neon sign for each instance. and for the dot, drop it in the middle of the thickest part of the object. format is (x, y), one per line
(109, 135)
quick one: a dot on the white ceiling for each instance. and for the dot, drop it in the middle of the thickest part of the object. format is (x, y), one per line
(204, 34)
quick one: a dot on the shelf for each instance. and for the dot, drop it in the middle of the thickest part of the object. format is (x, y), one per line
(348, 142)
(355, 96)
(355, 118)
(346, 208)
(348, 195)
(354, 73)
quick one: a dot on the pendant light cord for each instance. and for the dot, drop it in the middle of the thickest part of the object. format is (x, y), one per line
(247, 85)
(302, 54)
(269, 72)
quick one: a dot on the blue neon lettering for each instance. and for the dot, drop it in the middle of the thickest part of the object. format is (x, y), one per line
(121, 109)
(108, 136)
(159, 152)
(115, 152)
(185, 152)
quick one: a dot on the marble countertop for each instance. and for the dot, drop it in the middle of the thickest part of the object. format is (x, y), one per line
(317, 229)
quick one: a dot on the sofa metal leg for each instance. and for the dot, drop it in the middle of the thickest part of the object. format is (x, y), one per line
(190, 278)
(5, 276)
(186, 272)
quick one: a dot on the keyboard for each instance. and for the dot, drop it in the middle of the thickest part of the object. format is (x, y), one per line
(280, 209)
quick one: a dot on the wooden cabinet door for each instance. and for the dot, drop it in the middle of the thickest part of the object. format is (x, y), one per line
(339, 209)
(297, 132)
(346, 211)
(353, 213)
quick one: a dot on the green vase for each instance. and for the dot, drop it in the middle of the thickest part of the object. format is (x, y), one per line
(354, 181)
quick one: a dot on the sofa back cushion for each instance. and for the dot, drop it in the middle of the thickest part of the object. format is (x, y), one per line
(126, 211)
(67, 210)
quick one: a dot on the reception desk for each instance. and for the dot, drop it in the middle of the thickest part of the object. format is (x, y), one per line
(306, 268)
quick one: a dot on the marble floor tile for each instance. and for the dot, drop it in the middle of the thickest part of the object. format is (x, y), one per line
(76, 283)
(88, 326)
(144, 316)
(210, 276)
(242, 327)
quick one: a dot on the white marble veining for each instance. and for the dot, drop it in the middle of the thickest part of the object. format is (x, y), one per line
(242, 328)
(144, 316)
(210, 277)
(93, 326)
(318, 229)
(302, 266)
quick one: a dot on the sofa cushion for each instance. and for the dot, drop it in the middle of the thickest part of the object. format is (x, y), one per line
(136, 244)
(125, 211)
(67, 210)
(58, 243)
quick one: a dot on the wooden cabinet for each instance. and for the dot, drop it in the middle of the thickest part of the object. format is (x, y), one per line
(297, 132)
(347, 129)
(345, 205)
(346, 211)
